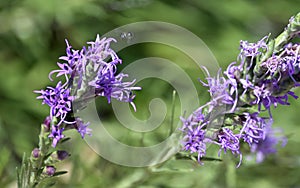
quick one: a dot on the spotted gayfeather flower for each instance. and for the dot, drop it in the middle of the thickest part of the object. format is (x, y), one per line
(284, 66)
(251, 50)
(82, 127)
(111, 86)
(221, 90)
(268, 145)
(264, 95)
(88, 73)
(194, 139)
(262, 77)
(56, 134)
(253, 130)
(67, 69)
(229, 141)
(58, 99)
(94, 73)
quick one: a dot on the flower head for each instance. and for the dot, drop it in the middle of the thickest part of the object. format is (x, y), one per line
(221, 90)
(82, 127)
(194, 139)
(229, 141)
(267, 145)
(56, 135)
(89, 73)
(265, 95)
(253, 130)
(58, 99)
(92, 72)
(251, 50)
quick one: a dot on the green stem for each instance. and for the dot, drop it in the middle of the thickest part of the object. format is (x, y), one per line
(31, 171)
(38, 165)
(274, 46)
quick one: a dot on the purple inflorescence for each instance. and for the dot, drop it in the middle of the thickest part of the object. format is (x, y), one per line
(229, 141)
(194, 135)
(250, 87)
(89, 73)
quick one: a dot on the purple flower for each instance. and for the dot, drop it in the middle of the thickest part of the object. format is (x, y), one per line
(229, 141)
(82, 127)
(89, 72)
(220, 90)
(58, 99)
(233, 73)
(73, 59)
(56, 135)
(253, 130)
(106, 81)
(194, 141)
(284, 65)
(272, 65)
(194, 133)
(196, 118)
(92, 72)
(264, 95)
(99, 50)
(251, 50)
(289, 63)
(111, 86)
(261, 79)
(72, 56)
(267, 146)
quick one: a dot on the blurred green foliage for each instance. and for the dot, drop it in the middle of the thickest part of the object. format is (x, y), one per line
(32, 34)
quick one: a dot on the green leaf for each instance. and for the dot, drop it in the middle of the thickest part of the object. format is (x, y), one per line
(64, 140)
(59, 173)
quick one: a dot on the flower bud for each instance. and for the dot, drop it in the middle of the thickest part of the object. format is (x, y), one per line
(35, 153)
(50, 170)
(47, 123)
(61, 155)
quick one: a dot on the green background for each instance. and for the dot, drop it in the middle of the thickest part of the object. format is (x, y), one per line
(32, 34)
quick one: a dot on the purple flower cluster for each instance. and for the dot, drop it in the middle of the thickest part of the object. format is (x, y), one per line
(250, 86)
(58, 99)
(88, 73)
(194, 133)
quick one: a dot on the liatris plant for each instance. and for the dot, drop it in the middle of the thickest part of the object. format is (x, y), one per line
(239, 112)
(88, 73)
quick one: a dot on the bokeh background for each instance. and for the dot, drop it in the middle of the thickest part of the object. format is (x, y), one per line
(32, 34)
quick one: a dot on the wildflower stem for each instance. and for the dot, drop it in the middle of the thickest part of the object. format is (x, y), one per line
(39, 163)
(292, 29)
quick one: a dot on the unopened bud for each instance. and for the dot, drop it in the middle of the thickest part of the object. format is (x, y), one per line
(35, 153)
(50, 170)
